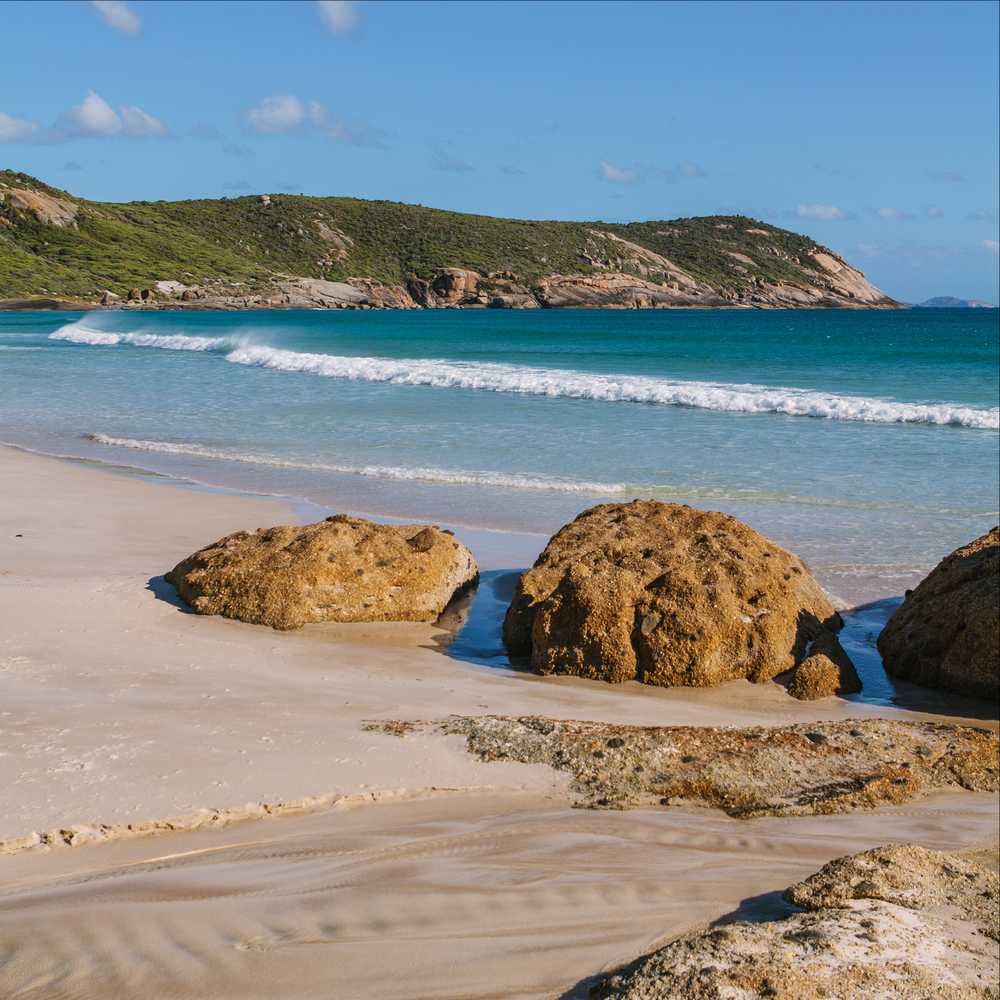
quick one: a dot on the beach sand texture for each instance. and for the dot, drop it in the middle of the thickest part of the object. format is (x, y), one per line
(438, 876)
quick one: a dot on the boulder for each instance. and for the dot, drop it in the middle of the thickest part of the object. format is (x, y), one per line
(899, 921)
(343, 569)
(455, 284)
(667, 595)
(827, 670)
(946, 633)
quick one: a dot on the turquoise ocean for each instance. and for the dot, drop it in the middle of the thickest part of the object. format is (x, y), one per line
(865, 441)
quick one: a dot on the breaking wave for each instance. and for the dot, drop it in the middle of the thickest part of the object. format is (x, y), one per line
(555, 382)
(82, 333)
(564, 383)
(453, 477)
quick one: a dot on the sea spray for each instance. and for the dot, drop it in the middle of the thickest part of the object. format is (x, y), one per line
(81, 332)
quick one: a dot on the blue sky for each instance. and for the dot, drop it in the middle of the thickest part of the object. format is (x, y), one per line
(870, 126)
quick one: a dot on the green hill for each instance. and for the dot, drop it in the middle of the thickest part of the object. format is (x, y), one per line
(57, 245)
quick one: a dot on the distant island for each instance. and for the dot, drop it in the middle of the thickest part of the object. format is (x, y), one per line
(297, 251)
(950, 302)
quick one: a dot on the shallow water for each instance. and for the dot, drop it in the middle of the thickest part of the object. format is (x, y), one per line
(865, 441)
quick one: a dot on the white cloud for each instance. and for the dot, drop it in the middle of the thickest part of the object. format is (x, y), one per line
(277, 114)
(618, 175)
(332, 128)
(139, 124)
(338, 15)
(92, 118)
(992, 246)
(286, 113)
(890, 213)
(819, 212)
(117, 14)
(16, 129)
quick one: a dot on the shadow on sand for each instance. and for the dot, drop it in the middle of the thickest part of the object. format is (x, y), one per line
(762, 909)
(166, 592)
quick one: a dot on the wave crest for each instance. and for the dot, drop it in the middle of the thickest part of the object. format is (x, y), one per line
(565, 383)
(81, 333)
(556, 383)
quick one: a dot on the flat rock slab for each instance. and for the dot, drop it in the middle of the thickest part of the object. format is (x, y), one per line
(820, 767)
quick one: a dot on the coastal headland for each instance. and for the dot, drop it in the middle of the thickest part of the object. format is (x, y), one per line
(273, 251)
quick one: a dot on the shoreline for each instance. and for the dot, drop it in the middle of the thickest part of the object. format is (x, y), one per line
(127, 604)
(158, 741)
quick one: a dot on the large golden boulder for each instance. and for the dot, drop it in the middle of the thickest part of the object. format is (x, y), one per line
(668, 595)
(343, 569)
(946, 633)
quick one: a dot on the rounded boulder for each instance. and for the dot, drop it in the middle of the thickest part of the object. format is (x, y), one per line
(343, 569)
(667, 595)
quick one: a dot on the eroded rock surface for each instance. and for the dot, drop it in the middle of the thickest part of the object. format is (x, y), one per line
(810, 768)
(898, 922)
(946, 633)
(667, 595)
(343, 569)
(827, 670)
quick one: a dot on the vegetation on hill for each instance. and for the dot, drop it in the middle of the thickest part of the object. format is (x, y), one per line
(251, 239)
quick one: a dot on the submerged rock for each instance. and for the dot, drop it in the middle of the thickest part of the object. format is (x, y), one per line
(343, 569)
(899, 921)
(667, 595)
(946, 633)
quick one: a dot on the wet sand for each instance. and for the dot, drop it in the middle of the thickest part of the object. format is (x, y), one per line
(117, 706)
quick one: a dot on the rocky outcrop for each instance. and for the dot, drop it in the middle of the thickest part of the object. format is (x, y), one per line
(46, 209)
(946, 633)
(827, 670)
(801, 770)
(621, 291)
(455, 286)
(667, 595)
(898, 921)
(343, 569)
(312, 293)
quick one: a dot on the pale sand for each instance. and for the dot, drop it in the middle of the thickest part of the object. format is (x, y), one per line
(118, 707)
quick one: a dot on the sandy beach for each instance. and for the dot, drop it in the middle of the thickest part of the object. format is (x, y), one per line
(402, 868)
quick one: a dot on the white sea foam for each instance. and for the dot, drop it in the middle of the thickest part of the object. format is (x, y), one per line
(82, 333)
(556, 382)
(454, 477)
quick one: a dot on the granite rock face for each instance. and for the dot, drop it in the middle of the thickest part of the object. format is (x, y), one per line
(343, 569)
(897, 922)
(946, 633)
(667, 595)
